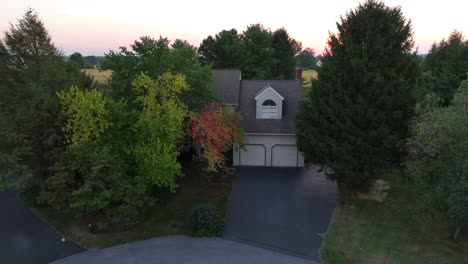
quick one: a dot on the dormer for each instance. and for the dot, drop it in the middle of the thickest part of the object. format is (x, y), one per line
(269, 103)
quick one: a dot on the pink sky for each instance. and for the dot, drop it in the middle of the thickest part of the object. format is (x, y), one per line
(95, 27)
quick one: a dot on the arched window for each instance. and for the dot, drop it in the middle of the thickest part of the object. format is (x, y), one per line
(269, 110)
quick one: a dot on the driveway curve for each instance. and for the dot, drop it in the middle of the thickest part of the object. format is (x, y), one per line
(183, 249)
(25, 239)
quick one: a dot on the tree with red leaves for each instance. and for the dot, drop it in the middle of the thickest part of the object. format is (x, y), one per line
(215, 129)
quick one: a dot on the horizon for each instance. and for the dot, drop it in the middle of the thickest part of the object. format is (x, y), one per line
(95, 28)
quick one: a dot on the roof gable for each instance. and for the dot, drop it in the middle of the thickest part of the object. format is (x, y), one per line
(268, 90)
(290, 90)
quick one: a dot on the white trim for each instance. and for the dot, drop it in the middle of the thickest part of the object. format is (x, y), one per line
(268, 134)
(269, 88)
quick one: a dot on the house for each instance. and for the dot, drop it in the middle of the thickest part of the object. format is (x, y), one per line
(319, 63)
(268, 109)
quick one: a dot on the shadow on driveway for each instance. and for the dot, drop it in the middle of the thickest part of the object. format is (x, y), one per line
(284, 209)
(25, 239)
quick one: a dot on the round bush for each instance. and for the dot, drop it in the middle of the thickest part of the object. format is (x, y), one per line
(205, 221)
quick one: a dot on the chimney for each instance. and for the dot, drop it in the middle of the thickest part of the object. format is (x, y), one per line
(298, 74)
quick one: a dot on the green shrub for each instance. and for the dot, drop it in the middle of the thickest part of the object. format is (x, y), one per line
(205, 221)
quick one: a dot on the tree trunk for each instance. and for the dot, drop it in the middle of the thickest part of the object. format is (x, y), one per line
(456, 232)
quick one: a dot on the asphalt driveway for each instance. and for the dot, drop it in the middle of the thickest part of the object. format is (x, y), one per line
(284, 209)
(25, 239)
(183, 250)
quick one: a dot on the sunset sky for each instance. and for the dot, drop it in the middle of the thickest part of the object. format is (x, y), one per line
(95, 27)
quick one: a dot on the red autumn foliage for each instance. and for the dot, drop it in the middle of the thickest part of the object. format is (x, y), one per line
(215, 129)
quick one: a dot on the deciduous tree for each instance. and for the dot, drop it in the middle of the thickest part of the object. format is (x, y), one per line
(117, 155)
(86, 114)
(224, 51)
(215, 129)
(160, 127)
(154, 57)
(438, 159)
(258, 54)
(77, 60)
(306, 59)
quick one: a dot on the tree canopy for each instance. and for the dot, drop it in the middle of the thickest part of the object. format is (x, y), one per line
(215, 129)
(257, 52)
(356, 116)
(222, 51)
(438, 159)
(285, 49)
(447, 64)
(32, 72)
(116, 155)
(28, 42)
(306, 59)
(77, 60)
(154, 57)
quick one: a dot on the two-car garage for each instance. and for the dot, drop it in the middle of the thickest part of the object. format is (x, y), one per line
(268, 150)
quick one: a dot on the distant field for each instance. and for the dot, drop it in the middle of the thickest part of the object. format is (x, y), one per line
(308, 74)
(99, 76)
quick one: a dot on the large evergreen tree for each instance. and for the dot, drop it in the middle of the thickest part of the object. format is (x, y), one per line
(206, 51)
(32, 70)
(357, 114)
(285, 49)
(28, 41)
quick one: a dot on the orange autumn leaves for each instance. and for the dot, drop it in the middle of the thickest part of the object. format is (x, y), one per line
(215, 129)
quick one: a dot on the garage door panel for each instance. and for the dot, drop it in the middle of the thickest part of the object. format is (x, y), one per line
(253, 155)
(284, 156)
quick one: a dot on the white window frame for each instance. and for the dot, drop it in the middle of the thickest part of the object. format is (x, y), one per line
(269, 111)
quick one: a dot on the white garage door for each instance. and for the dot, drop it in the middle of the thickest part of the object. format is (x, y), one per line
(253, 155)
(284, 156)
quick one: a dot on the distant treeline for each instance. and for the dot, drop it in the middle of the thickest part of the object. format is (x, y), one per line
(85, 62)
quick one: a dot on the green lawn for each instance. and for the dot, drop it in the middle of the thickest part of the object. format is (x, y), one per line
(372, 232)
(166, 217)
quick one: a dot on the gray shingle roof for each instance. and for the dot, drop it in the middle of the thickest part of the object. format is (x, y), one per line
(226, 85)
(289, 89)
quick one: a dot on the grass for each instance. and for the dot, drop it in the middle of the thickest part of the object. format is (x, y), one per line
(102, 77)
(372, 232)
(307, 76)
(166, 218)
